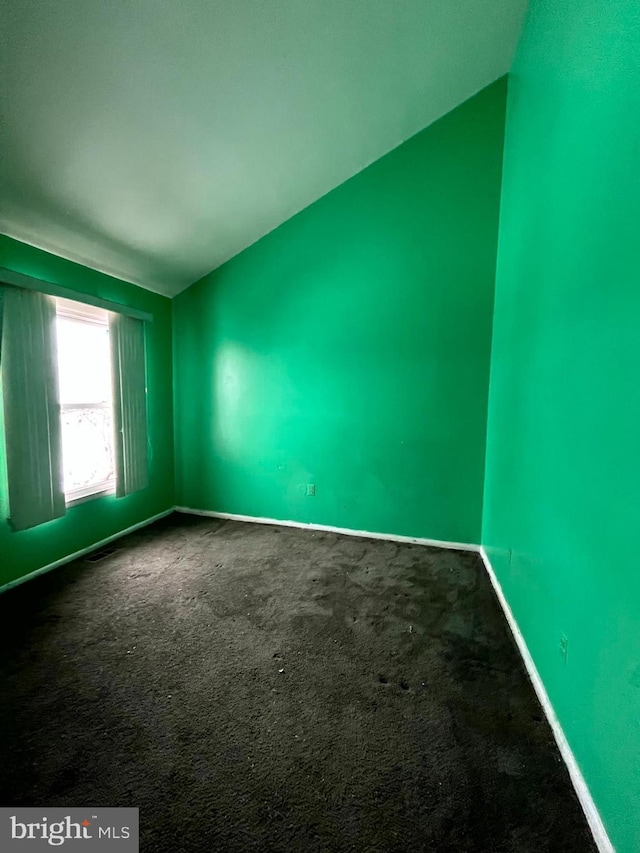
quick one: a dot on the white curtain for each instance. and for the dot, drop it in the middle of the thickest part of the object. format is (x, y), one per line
(129, 403)
(28, 359)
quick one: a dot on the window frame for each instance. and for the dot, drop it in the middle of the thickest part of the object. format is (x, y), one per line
(82, 312)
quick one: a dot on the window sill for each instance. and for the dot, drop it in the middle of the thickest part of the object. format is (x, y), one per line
(80, 497)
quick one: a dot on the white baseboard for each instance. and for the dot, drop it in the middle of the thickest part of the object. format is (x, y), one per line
(84, 551)
(346, 531)
(586, 800)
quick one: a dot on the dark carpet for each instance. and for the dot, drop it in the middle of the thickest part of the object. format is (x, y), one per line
(262, 688)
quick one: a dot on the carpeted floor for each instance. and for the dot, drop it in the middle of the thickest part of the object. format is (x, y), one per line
(261, 688)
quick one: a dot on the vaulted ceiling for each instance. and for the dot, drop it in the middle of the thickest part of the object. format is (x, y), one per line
(155, 139)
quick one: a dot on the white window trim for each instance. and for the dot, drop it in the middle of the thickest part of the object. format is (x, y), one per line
(81, 311)
(71, 310)
(81, 496)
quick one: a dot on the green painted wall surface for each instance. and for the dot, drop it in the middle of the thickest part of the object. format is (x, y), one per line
(562, 499)
(87, 523)
(350, 347)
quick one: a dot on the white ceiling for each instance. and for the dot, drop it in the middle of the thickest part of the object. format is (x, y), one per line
(155, 139)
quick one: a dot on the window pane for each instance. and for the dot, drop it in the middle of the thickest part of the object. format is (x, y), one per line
(84, 362)
(87, 447)
(84, 366)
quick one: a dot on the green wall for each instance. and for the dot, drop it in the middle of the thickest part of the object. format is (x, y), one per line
(87, 523)
(350, 347)
(562, 499)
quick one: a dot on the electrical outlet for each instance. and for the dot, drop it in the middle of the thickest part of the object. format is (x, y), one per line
(564, 647)
(311, 490)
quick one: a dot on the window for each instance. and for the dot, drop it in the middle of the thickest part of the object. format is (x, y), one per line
(86, 409)
(74, 398)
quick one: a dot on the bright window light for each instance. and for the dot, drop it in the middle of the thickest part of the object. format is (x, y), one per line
(86, 411)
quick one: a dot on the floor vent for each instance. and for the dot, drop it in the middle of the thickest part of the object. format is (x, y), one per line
(96, 556)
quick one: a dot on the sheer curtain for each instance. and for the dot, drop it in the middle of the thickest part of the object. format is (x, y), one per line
(31, 406)
(129, 403)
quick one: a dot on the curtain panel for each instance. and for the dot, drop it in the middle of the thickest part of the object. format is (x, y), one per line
(28, 357)
(129, 403)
